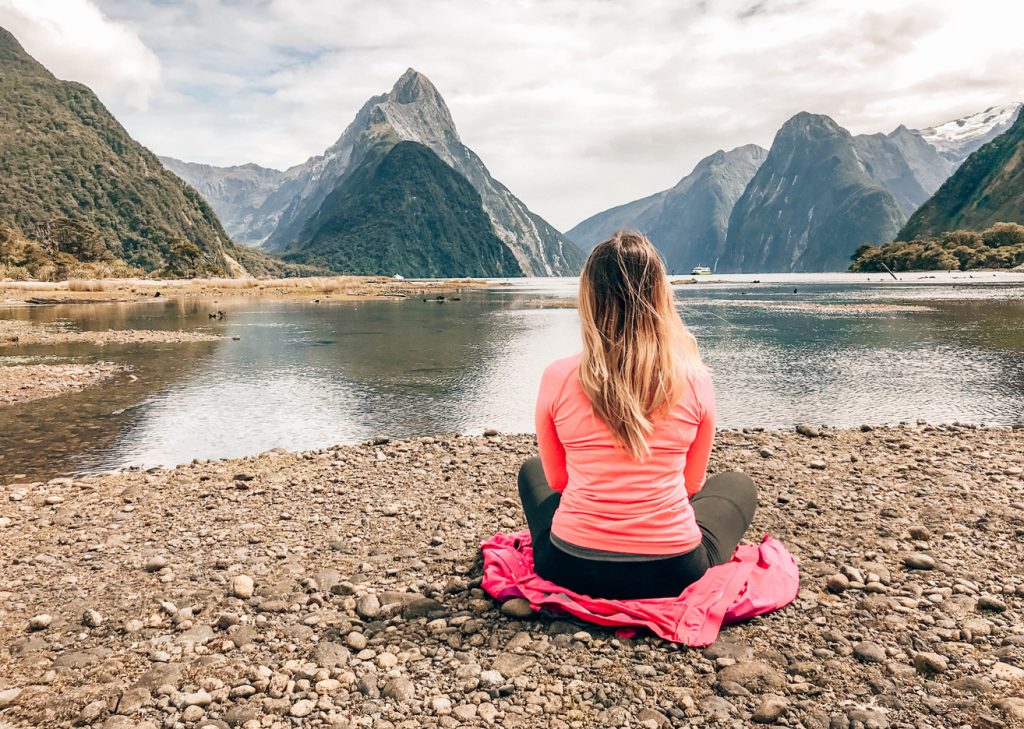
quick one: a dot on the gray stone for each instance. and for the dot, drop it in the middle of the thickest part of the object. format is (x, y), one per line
(8, 697)
(770, 710)
(869, 652)
(919, 561)
(399, 689)
(930, 663)
(517, 607)
(511, 665)
(368, 606)
(755, 676)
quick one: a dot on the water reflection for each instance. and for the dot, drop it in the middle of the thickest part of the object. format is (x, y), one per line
(305, 375)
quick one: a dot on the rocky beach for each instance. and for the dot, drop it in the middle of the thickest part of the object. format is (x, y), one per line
(340, 588)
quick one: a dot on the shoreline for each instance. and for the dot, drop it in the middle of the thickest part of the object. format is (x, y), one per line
(125, 603)
(335, 288)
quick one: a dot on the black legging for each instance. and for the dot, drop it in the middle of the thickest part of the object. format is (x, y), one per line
(724, 509)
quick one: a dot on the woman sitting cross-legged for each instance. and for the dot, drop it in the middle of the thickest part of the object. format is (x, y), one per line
(617, 504)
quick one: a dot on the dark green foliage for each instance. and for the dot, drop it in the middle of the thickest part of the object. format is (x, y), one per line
(74, 178)
(404, 211)
(1001, 246)
(988, 187)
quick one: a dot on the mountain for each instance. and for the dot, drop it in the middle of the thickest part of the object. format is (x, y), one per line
(956, 140)
(404, 209)
(687, 222)
(412, 111)
(986, 189)
(811, 203)
(75, 180)
(903, 163)
(236, 193)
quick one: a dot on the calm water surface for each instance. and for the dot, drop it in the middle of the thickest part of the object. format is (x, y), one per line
(840, 350)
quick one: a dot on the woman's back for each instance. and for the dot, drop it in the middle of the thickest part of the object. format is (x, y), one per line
(610, 501)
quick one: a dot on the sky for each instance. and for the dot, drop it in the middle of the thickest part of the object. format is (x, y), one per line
(576, 105)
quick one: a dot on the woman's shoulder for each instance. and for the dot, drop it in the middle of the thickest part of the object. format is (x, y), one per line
(564, 366)
(558, 372)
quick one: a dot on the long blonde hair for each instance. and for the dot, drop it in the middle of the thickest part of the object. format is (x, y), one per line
(637, 352)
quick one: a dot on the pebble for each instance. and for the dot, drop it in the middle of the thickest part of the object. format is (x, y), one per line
(355, 641)
(301, 708)
(40, 622)
(770, 710)
(919, 561)
(92, 618)
(869, 652)
(368, 606)
(993, 604)
(8, 697)
(930, 663)
(399, 689)
(837, 583)
(243, 586)
(155, 564)
(517, 607)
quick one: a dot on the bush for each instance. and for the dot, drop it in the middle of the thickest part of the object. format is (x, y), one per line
(1000, 246)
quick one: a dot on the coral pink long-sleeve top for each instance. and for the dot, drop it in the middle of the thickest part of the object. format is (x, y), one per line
(611, 502)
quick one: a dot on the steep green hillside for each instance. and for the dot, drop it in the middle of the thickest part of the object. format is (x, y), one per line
(403, 210)
(66, 165)
(988, 188)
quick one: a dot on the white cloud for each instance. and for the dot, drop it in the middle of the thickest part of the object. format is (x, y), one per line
(75, 41)
(575, 105)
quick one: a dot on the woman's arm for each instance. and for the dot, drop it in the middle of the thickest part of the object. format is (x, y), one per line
(696, 470)
(552, 452)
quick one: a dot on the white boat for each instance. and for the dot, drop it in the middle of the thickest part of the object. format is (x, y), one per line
(700, 271)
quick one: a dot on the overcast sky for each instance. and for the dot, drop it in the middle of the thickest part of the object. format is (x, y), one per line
(576, 105)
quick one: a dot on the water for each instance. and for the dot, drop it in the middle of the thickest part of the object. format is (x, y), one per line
(842, 350)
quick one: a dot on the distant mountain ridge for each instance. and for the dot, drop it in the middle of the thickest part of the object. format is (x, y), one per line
(67, 163)
(987, 188)
(412, 111)
(827, 192)
(688, 222)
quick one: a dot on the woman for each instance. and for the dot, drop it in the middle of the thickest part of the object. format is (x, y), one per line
(617, 503)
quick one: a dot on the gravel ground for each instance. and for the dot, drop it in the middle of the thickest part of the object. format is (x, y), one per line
(22, 383)
(341, 588)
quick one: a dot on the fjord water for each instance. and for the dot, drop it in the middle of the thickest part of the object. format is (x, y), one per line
(838, 350)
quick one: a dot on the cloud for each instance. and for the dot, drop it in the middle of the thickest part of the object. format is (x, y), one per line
(576, 106)
(76, 41)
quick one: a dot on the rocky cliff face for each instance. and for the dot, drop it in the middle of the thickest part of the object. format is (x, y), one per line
(412, 111)
(237, 194)
(811, 203)
(688, 222)
(987, 188)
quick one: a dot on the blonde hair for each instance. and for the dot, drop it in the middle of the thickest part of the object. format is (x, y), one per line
(637, 352)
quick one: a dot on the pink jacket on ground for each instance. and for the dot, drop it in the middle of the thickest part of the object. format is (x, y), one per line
(759, 579)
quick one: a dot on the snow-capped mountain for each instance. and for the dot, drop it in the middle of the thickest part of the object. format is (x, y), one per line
(956, 139)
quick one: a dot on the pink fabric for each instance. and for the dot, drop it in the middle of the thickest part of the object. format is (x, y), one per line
(610, 501)
(759, 579)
